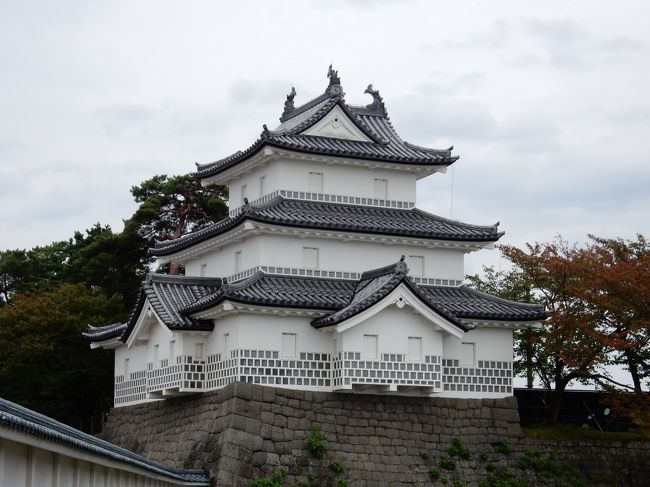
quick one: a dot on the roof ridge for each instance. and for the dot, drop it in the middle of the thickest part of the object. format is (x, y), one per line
(305, 106)
(179, 279)
(503, 300)
(428, 149)
(456, 222)
(398, 267)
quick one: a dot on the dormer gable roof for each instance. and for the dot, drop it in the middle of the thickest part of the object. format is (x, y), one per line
(374, 286)
(178, 300)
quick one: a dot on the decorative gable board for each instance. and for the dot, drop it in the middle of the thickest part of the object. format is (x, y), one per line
(338, 125)
(142, 330)
(401, 297)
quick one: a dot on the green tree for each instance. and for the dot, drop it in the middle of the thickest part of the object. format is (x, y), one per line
(46, 364)
(15, 273)
(113, 262)
(172, 206)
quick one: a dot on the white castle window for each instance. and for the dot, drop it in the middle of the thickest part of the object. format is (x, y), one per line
(172, 343)
(199, 350)
(468, 353)
(262, 183)
(156, 348)
(370, 343)
(126, 369)
(288, 345)
(416, 265)
(414, 349)
(226, 345)
(381, 188)
(310, 257)
(316, 182)
(237, 261)
(243, 193)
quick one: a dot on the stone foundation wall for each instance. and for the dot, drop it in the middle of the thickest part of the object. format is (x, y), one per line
(244, 432)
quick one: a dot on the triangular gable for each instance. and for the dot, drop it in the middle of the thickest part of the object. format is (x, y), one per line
(337, 124)
(402, 297)
(142, 329)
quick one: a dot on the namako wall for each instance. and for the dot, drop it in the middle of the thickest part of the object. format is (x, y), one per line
(245, 431)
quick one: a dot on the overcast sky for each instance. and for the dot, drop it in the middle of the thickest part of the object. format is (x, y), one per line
(547, 103)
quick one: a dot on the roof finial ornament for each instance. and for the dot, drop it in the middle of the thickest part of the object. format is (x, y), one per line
(288, 104)
(401, 265)
(377, 100)
(265, 131)
(246, 207)
(334, 87)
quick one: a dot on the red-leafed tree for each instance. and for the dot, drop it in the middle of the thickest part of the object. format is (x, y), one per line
(616, 289)
(598, 300)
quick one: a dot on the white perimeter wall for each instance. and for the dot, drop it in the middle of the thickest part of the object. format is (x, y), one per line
(22, 464)
(335, 255)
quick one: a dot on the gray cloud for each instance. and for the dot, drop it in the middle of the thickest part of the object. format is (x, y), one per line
(548, 114)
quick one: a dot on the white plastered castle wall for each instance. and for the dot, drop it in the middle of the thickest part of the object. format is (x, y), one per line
(393, 327)
(264, 332)
(337, 179)
(335, 255)
(223, 262)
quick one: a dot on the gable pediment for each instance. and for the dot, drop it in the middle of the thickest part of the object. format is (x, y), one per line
(147, 319)
(338, 125)
(404, 299)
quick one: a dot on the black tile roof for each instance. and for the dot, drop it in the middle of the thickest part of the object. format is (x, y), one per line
(281, 291)
(100, 333)
(373, 286)
(343, 217)
(176, 298)
(166, 294)
(30, 422)
(470, 304)
(385, 145)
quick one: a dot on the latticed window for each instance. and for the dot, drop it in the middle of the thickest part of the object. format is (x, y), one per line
(310, 257)
(370, 343)
(381, 188)
(288, 346)
(316, 182)
(416, 265)
(468, 353)
(414, 349)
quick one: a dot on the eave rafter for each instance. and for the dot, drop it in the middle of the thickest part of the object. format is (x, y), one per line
(228, 307)
(252, 228)
(268, 154)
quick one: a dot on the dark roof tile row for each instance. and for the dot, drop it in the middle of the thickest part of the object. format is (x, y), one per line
(342, 217)
(30, 422)
(337, 299)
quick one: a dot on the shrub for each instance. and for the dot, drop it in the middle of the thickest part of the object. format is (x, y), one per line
(502, 447)
(458, 450)
(316, 442)
(447, 464)
(275, 480)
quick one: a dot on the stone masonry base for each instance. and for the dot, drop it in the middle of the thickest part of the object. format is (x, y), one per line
(244, 432)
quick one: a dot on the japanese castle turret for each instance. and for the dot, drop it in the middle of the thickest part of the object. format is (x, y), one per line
(325, 275)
